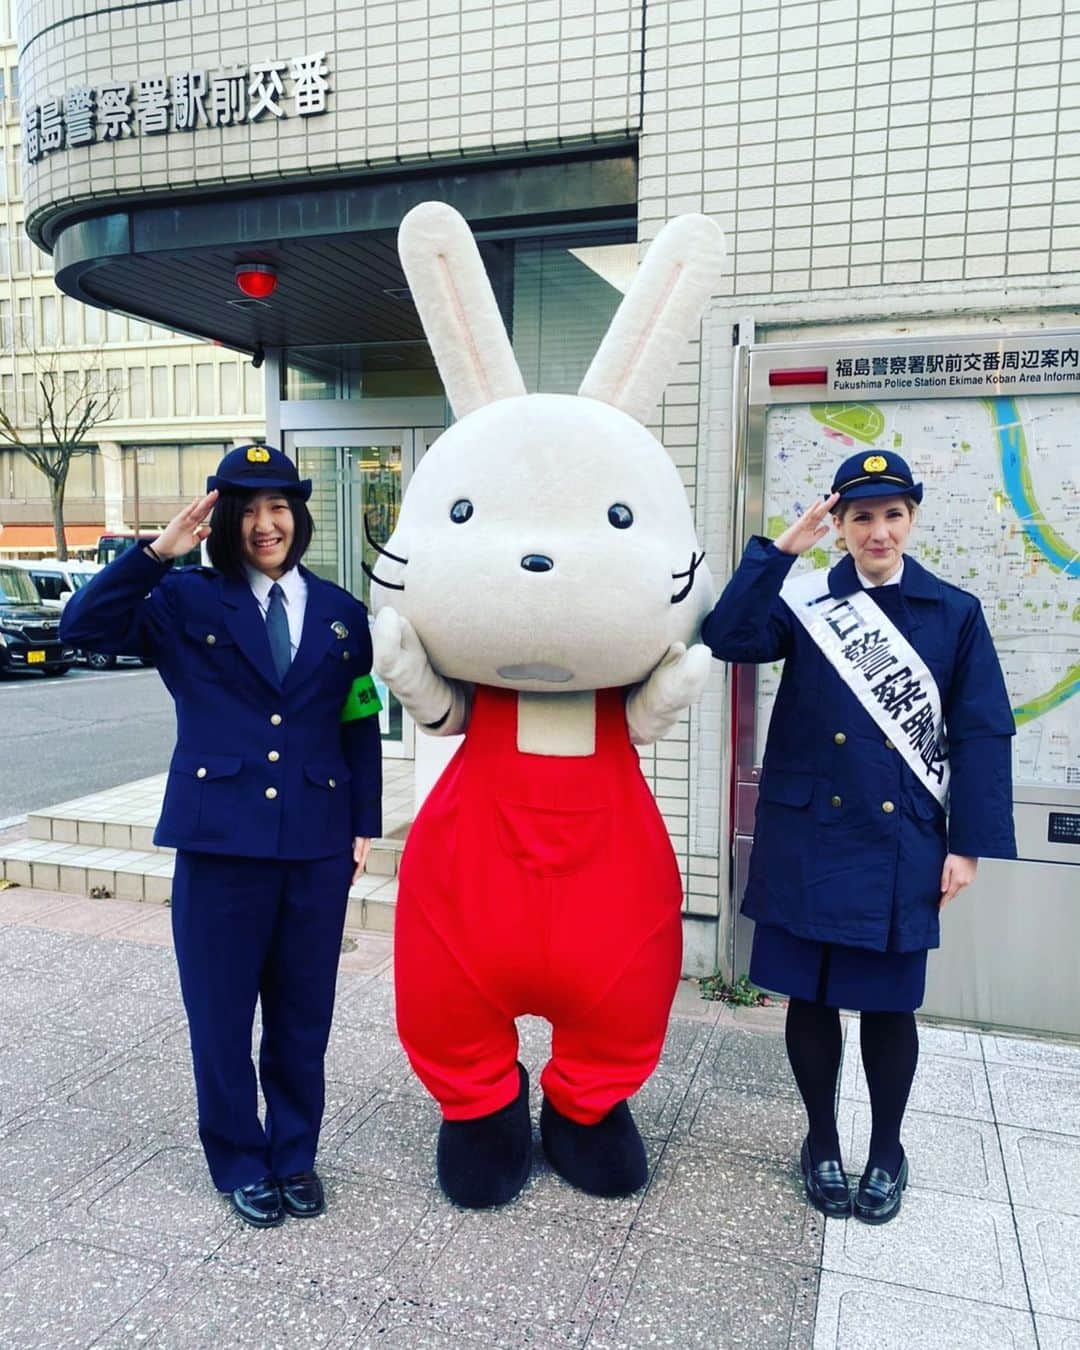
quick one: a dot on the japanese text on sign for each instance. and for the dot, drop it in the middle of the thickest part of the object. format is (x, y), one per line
(184, 101)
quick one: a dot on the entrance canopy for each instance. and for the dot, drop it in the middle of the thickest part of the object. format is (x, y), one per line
(332, 246)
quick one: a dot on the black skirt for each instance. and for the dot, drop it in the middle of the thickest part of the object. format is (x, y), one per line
(839, 977)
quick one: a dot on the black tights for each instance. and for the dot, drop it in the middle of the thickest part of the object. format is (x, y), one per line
(890, 1052)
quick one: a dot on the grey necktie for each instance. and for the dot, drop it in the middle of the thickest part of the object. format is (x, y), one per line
(277, 630)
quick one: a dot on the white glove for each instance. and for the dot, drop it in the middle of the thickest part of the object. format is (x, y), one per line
(678, 680)
(440, 706)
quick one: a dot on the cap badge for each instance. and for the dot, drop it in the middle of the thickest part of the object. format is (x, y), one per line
(339, 630)
(258, 454)
(875, 464)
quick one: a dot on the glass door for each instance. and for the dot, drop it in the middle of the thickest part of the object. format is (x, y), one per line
(358, 477)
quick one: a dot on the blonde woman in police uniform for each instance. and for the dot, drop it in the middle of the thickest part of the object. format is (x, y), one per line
(865, 826)
(273, 797)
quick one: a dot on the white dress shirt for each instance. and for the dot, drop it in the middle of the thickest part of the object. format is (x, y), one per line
(869, 585)
(294, 593)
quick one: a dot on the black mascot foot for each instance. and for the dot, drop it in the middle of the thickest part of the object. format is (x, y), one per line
(607, 1158)
(486, 1161)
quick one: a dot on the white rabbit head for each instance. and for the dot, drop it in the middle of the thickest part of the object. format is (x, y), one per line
(545, 541)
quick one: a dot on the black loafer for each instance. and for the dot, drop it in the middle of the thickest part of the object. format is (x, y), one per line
(878, 1198)
(302, 1195)
(826, 1183)
(259, 1204)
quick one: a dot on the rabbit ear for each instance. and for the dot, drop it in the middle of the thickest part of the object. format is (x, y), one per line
(658, 315)
(457, 308)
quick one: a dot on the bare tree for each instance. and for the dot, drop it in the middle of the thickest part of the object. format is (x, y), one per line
(70, 400)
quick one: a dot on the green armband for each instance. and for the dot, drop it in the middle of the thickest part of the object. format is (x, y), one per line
(363, 700)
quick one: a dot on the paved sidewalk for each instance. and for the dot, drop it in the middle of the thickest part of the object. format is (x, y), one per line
(111, 1235)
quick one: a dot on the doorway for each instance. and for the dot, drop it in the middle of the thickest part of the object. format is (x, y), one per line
(359, 475)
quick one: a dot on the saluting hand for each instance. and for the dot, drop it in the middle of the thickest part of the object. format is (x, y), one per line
(186, 530)
(957, 873)
(809, 529)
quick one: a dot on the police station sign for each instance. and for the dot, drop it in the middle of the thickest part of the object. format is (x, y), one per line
(917, 368)
(188, 100)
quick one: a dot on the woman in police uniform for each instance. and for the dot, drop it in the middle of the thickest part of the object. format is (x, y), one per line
(273, 797)
(854, 853)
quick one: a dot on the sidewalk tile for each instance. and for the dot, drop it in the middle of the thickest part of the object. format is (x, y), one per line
(65, 1293)
(1043, 1169)
(168, 1193)
(946, 1153)
(667, 1295)
(1055, 1333)
(943, 1086)
(1036, 1098)
(1050, 1244)
(938, 1243)
(49, 1155)
(857, 1314)
(1038, 1054)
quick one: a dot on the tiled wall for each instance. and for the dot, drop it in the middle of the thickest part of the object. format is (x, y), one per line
(410, 79)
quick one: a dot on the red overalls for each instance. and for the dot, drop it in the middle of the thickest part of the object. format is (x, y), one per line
(537, 884)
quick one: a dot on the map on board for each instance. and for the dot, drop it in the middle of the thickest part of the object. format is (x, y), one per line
(1001, 518)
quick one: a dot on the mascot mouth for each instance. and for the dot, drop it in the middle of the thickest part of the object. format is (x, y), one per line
(536, 670)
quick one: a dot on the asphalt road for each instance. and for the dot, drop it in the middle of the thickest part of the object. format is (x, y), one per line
(62, 738)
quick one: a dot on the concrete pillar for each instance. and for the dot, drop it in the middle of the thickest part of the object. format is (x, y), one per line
(112, 463)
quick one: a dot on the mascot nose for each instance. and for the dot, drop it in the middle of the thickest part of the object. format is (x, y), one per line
(536, 562)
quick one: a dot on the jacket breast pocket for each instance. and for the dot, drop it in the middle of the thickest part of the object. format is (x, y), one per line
(210, 652)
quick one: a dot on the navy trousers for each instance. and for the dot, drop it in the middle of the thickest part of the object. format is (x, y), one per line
(248, 929)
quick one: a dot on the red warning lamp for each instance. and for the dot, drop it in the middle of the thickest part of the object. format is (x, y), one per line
(256, 280)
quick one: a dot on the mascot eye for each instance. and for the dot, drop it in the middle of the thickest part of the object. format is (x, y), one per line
(620, 516)
(461, 511)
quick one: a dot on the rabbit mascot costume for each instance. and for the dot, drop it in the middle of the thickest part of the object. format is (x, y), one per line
(537, 594)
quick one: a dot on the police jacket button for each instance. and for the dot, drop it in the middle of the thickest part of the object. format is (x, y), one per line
(210, 639)
(200, 773)
(836, 801)
(345, 655)
(331, 782)
(270, 793)
(273, 756)
(889, 745)
(275, 719)
(887, 807)
(839, 738)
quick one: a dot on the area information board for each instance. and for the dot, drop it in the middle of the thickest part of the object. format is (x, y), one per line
(1001, 514)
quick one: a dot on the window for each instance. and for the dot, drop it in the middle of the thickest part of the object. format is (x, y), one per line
(197, 463)
(92, 321)
(114, 389)
(115, 327)
(204, 389)
(7, 333)
(253, 389)
(137, 392)
(13, 81)
(22, 249)
(28, 397)
(159, 391)
(50, 585)
(230, 389)
(182, 391)
(71, 319)
(25, 335)
(159, 470)
(48, 321)
(5, 250)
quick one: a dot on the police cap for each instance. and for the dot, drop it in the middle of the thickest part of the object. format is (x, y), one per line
(258, 468)
(877, 474)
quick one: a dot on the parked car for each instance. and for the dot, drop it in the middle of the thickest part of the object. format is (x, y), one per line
(29, 638)
(56, 581)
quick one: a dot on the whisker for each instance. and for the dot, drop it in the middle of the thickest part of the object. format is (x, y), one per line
(390, 585)
(695, 563)
(377, 547)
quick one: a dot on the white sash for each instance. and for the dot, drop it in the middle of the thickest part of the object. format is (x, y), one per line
(881, 668)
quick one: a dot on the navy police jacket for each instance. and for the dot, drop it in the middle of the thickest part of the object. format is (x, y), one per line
(261, 769)
(848, 844)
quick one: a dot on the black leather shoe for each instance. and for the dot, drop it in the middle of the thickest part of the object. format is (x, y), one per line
(259, 1204)
(302, 1195)
(826, 1184)
(878, 1198)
